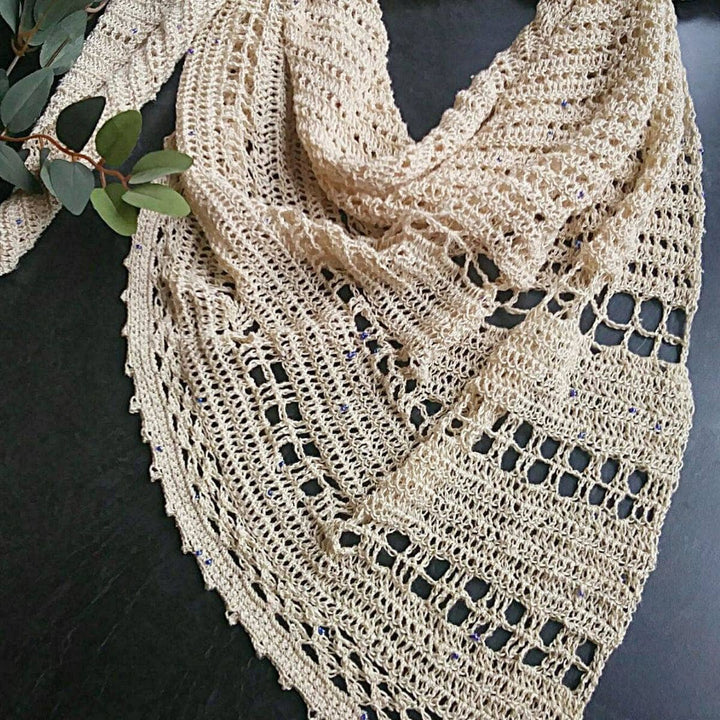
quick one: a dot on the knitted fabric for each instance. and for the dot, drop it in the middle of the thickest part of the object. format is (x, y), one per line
(418, 407)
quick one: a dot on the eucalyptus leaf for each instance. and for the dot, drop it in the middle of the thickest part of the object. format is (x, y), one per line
(66, 55)
(51, 12)
(72, 183)
(76, 122)
(26, 17)
(159, 163)
(108, 203)
(39, 35)
(4, 83)
(45, 176)
(44, 169)
(10, 12)
(25, 100)
(13, 170)
(64, 43)
(116, 139)
(159, 198)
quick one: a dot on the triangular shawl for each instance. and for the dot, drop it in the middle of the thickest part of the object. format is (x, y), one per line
(417, 407)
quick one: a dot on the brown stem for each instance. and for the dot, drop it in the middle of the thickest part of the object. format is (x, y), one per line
(91, 10)
(18, 49)
(21, 43)
(26, 36)
(99, 166)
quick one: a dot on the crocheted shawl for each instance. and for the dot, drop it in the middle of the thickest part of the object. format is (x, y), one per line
(418, 407)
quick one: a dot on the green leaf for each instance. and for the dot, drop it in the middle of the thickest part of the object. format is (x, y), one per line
(10, 12)
(39, 35)
(26, 18)
(116, 139)
(120, 216)
(72, 183)
(42, 32)
(64, 43)
(76, 122)
(159, 198)
(64, 57)
(51, 12)
(159, 163)
(4, 83)
(25, 100)
(45, 175)
(13, 170)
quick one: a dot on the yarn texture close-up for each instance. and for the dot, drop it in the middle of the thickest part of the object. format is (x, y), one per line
(418, 407)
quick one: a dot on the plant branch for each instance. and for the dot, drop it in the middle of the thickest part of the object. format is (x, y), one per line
(91, 10)
(12, 65)
(99, 166)
(21, 42)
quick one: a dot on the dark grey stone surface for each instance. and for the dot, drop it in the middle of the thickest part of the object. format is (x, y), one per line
(103, 617)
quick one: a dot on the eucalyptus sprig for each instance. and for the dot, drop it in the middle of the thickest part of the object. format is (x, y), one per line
(120, 196)
(56, 28)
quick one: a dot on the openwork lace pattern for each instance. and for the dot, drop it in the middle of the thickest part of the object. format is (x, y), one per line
(419, 407)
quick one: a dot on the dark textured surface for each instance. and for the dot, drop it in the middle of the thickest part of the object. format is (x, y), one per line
(102, 616)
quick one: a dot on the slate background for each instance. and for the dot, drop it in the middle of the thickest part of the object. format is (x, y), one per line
(102, 616)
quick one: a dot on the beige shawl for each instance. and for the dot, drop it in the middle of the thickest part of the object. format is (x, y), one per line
(418, 408)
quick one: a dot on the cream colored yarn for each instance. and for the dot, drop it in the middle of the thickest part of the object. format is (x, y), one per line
(418, 408)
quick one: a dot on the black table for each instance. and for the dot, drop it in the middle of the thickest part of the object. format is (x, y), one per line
(103, 617)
